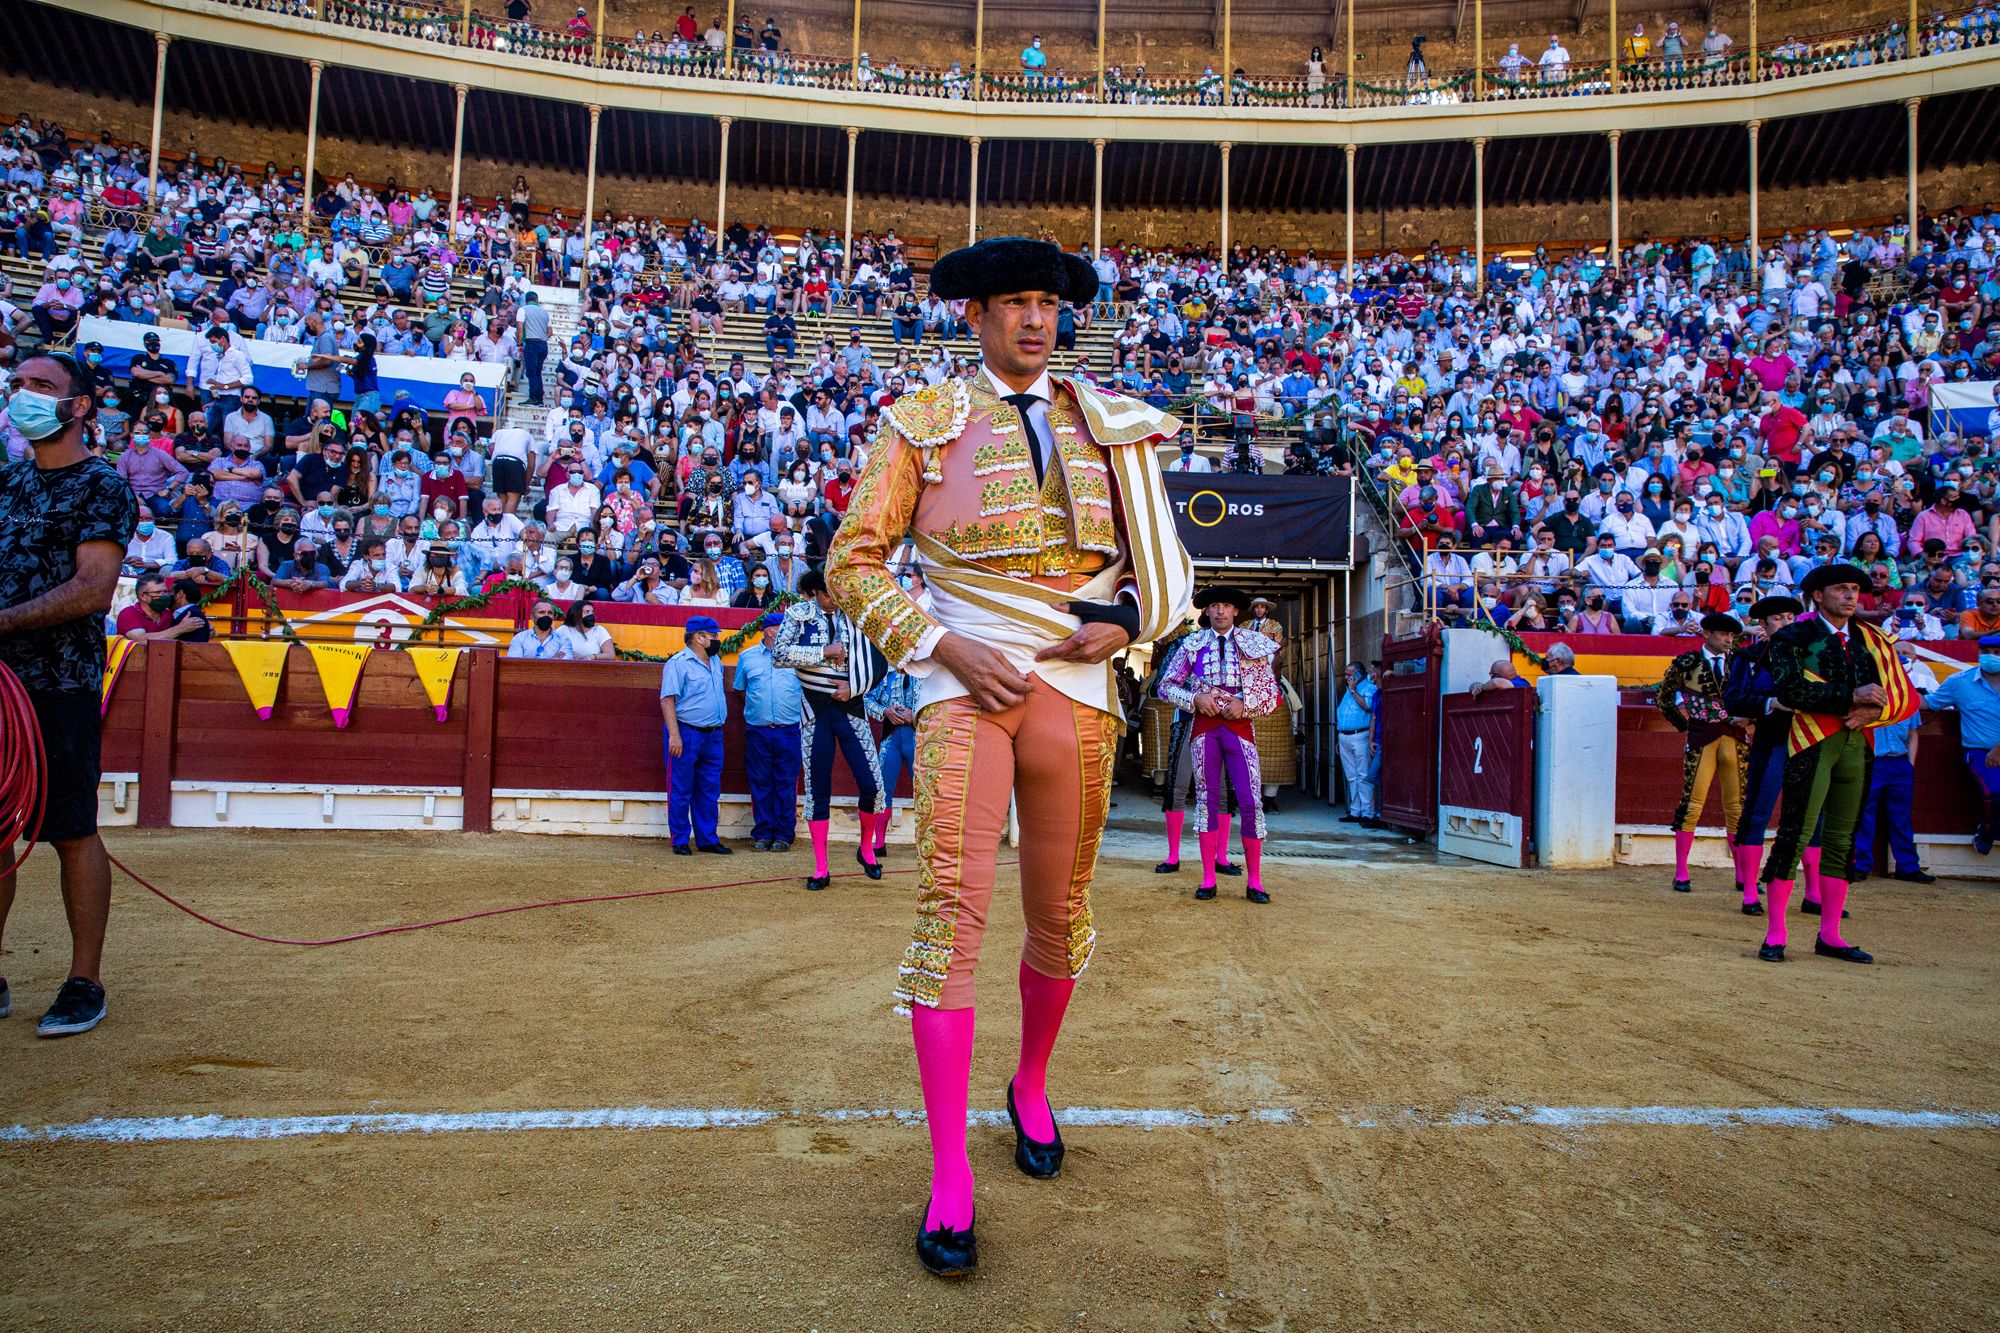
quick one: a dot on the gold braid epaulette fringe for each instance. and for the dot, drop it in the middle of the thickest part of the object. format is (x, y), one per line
(931, 418)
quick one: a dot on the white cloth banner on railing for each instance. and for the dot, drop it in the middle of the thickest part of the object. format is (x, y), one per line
(1970, 407)
(278, 368)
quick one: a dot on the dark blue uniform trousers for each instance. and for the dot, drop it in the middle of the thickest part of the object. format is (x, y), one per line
(694, 784)
(1890, 788)
(771, 754)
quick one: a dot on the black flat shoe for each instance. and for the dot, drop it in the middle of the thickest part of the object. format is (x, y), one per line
(1846, 953)
(948, 1253)
(1683, 886)
(1205, 892)
(1224, 868)
(881, 853)
(1771, 953)
(682, 849)
(781, 846)
(718, 849)
(1812, 909)
(1257, 895)
(819, 881)
(1753, 909)
(1043, 1161)
(1167, 868)
(760, 844)
(868, 868)
(1916, 876)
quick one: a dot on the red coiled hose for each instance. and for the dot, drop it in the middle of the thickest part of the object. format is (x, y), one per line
(23, 768)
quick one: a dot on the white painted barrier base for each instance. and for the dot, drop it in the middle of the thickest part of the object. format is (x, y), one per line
(1653, 845)
(267, 805)
(1480, 835)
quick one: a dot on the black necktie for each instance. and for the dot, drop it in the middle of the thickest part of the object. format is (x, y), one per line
(1037, 446)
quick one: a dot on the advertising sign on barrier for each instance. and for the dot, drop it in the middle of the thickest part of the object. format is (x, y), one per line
(1292, 521)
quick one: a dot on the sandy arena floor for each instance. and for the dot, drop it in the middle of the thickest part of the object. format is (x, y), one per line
(1371, 1006)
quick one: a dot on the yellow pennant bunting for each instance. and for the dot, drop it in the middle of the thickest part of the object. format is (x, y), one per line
(435, 667)
(339, 675)
(117, 651)
(261, 665)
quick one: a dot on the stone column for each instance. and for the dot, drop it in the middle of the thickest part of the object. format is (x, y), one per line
(1479, 214)
(589, 201)
(979, 49)
(1097, 201)
(1352, 149)
(160, 41)
(1913, 104)
(1225, 146)
(847, 236)
(1756, 251)
(722, 183)
(1614, 136)
(318, 67)
(972, 215)
(457, 154)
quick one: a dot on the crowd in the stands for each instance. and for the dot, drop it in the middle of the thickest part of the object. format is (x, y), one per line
(1570, 445)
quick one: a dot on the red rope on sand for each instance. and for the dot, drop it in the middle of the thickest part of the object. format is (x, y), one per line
(171, 901)
(24, 794)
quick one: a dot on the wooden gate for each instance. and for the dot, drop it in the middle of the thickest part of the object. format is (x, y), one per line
(1407, 796)
(1486, 776)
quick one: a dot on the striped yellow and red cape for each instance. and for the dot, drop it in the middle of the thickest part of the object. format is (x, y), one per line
(1809, 729)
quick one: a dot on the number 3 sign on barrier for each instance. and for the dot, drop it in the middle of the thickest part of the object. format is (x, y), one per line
(1486, 776)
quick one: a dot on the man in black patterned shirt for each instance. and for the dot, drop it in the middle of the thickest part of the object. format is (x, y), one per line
(65, 518)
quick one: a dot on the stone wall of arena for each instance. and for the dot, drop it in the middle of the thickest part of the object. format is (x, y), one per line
(1506, 225)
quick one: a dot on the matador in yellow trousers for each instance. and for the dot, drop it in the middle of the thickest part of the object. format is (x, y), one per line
(1040, 520)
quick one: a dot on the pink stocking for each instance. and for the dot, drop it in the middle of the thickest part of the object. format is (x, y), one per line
(880, 835)
(1043, 1000)
(1222, 842)
(1747, 862)
(1253, 863)
(1809, 858)
(1779, 891)
(818, 827)
(1209, 842)
(1683, 844)
(944, 1066)
(1833, 897)
(868, 822)
(1176, 820)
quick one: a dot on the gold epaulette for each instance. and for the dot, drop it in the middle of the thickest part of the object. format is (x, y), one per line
(931, 418)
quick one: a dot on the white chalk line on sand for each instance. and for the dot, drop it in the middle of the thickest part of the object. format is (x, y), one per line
(208, 1128)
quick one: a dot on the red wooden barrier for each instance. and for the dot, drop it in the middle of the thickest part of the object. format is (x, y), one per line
(180, 712)
(1649, 775)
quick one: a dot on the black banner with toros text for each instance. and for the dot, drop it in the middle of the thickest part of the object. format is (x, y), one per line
(1293, 519)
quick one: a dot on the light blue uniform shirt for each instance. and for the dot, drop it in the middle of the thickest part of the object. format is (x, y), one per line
(1977, 704)
(1893, 741)
(771, 693)
(1357, 707)
(696, 687)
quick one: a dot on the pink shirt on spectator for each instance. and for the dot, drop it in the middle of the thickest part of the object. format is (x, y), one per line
(1952, 530)
(1771, 370)
(1768, 524)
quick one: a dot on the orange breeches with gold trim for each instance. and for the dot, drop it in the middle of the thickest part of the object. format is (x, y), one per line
(1053, 756)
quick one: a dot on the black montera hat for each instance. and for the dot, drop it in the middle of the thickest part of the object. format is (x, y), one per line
(1002, 264)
